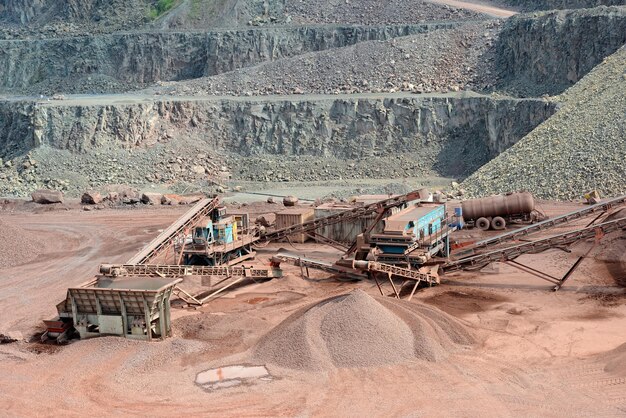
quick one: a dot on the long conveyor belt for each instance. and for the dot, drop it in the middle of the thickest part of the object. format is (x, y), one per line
(536, 246)
(201, 209)
(152, 270)
(547, 224)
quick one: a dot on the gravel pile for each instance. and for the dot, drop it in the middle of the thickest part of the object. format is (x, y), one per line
(17, 246)
(371, 12)
(357, 330)
(437, 61)
(581, 148)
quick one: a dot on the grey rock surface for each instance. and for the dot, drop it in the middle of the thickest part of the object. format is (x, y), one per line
(45, 197)
(545, 53)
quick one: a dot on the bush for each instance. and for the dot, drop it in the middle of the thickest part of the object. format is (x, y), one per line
(161, 7)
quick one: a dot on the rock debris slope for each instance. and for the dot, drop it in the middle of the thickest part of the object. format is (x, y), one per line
(357, 330)
(581, 147)
(448, 59)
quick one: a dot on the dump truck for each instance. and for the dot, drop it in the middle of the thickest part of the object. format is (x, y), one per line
(495, 212)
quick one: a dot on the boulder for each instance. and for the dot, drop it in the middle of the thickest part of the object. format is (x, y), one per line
(91, 197)
(198, 169)
(170, 199)
(149, 198)
(123, 191)
(45, 196)
(290, 201)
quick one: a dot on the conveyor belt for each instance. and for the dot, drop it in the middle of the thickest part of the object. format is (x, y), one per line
(153, 270)
(407, 274)
(317, 265)
(348, 215)
(189, 219)
(548, 223)
(537, 246)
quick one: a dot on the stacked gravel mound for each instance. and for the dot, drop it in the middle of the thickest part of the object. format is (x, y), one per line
(357, 330)
(437, 61)
(581, 148)
(17, 246)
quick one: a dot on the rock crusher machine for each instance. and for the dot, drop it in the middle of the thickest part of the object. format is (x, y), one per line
(409, 238)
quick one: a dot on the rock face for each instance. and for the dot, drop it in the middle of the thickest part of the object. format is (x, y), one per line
(548, 53)
(341, 127)
(143, 58)
(45, 197)
(529, 5)
(23, 11)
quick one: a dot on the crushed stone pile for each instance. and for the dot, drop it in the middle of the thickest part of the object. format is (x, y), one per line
(581, 148)
(17, 245)
(357, 330)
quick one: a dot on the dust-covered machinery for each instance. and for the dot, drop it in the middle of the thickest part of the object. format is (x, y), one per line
(219, 239)
(136, 308)
(410, 237)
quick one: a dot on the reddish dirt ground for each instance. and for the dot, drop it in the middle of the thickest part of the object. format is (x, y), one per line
(539, 353)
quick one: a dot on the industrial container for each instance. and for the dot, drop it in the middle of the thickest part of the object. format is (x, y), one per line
(343, 231)
(295, 216)
(510, 205)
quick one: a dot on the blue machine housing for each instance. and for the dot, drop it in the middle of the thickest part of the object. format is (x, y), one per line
(413, 235)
